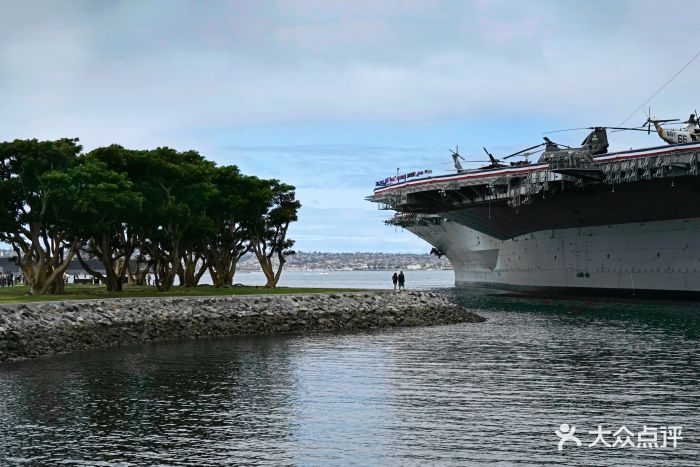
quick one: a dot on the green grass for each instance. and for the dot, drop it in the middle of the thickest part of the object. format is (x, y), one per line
(20, 294)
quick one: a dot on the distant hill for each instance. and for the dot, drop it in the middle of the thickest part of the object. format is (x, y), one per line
(306, 260)
(355, 261)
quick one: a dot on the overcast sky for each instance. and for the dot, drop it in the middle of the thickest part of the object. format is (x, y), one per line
(331, 96)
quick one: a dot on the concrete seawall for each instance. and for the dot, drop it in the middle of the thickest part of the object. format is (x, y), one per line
(45, 328)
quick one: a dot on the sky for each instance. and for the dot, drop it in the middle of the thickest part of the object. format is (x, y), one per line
(331, 96)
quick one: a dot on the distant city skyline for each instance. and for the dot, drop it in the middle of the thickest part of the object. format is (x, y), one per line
(332, 96)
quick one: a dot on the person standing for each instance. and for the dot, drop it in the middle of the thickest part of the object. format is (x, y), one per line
(402, 281)
(395, 280)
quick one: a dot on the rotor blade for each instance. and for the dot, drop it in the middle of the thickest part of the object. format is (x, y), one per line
(564, 145)
(625, 129)
(524, 150)
(568, 129)
(593, 128)
(528, 154)
(557, 144)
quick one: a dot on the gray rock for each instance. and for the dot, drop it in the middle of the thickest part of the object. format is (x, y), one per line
(28, 331)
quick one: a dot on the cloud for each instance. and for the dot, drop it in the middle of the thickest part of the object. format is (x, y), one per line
(332, 96)
(139, 69)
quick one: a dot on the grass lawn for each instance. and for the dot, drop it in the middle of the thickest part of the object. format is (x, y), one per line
(20, 294)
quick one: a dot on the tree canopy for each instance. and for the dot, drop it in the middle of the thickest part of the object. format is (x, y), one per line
(170, 214)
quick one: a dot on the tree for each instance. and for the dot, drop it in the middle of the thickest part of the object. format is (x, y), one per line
(129, 240)
(238, 201)
(178, 188)
(193, 253)
(108, 200)
(37, 219)
(174, 212)
(268, 233)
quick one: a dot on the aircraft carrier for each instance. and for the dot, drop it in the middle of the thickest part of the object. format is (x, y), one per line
(588, 221)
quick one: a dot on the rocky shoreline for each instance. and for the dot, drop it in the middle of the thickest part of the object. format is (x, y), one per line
(37, 329)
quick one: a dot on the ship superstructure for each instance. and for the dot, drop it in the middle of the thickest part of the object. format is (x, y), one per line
(578, 218)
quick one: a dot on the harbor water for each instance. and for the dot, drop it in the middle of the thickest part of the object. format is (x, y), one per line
(451, 395)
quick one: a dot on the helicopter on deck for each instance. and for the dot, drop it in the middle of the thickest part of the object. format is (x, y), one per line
(493, 162)
(594, 144)
(687, 134)
(555, 154)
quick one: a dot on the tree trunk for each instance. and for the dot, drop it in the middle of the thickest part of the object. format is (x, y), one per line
(220, 264)
(190, 273)
(181, 275)
(97, 274)
(45, 281)
(167, 267)
(267, 267)
(200, 272)
(189, 270)
(138, 276)
(217, 271)
(230, 273)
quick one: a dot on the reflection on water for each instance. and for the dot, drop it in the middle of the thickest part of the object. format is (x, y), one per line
(448, 394)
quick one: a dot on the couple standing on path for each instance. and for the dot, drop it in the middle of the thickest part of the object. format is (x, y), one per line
(400, 280)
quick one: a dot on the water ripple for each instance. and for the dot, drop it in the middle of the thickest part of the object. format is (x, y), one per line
(474, 393)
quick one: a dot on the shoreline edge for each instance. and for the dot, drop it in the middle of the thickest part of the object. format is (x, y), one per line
(30, 330)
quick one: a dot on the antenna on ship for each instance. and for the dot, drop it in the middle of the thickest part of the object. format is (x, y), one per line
(660, 89)
(657, 122)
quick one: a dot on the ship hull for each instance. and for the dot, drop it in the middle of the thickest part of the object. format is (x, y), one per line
(656, 256)
(626, 221)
